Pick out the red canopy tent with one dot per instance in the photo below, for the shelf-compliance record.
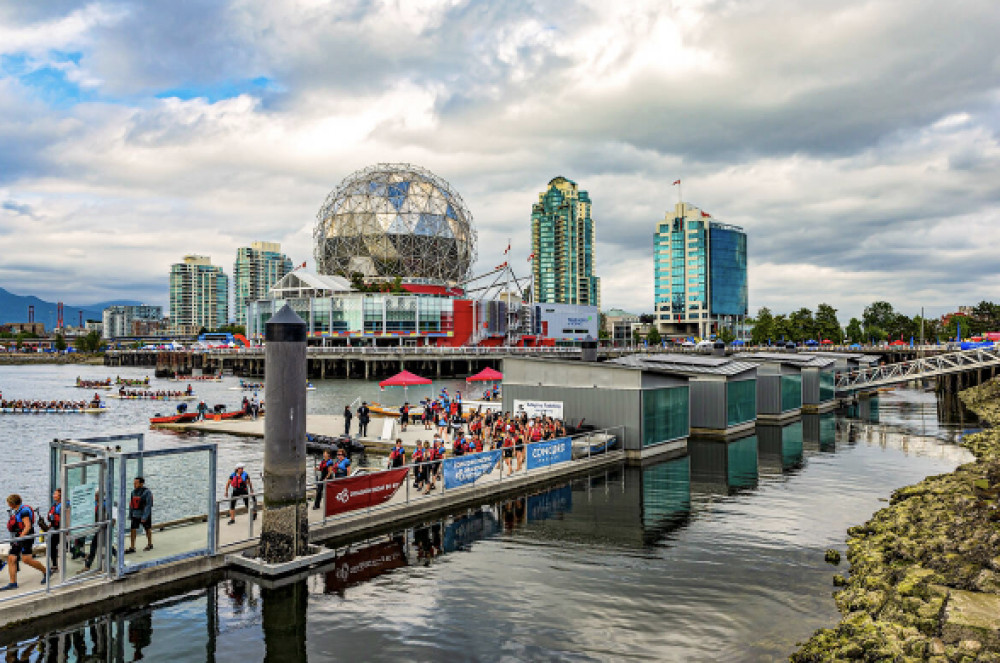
(404, 379)
(898, 343)
(485, 375)
(826, 341)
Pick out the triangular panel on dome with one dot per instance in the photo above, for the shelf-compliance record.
(397, 193)
(398, 226)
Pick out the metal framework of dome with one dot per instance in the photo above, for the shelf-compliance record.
(395, 219)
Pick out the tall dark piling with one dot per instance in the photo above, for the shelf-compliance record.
(285, 524)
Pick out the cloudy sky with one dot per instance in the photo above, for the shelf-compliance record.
(855, 141)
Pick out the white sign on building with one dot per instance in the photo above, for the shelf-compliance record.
(552, 409)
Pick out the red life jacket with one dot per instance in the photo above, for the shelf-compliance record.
(237, 480)
(17, 518)
(418, 456)
(135, 502)
(55, 516)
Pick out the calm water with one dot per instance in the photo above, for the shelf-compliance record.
(714, 556)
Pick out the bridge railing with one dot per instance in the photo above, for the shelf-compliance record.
(915, 369)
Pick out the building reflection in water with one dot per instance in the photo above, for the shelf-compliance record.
(779, 447)
(723, 467)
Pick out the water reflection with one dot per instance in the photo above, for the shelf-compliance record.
(713, 555)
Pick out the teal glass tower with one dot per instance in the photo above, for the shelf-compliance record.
(199, 295)
(700, 274)
(257, 269)
(562, 246)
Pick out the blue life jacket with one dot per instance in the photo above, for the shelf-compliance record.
(341, 468)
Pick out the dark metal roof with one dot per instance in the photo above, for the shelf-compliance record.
(803, 360)
(685, 364)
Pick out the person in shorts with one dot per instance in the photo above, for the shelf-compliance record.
(20, 524)
(140, 512)
(239, 481)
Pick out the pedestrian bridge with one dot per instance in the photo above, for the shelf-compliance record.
(919, 369)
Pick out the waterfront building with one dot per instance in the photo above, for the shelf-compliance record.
(119, 321)
(651, 407)
(418, 314)
(562, 246)
(199, 295)
(257, 269)
(723, 389)
(700, 268)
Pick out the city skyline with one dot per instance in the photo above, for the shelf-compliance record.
(860, 160)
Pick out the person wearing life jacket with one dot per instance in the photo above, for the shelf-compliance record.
(140, 512)
(21, 523)
(342, 465)
(54, 523)
(419, 469)
(404, 416)
(397, 457)
(325, 470)
(239, 481)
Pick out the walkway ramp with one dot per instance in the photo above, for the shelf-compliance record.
(918, 369)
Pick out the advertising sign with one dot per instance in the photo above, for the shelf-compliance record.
(466, 469)
(552, 409)
(81, 504)
(550, 452)
(360, 492)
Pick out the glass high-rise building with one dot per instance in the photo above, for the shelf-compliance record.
(700, 273)
(562, 246)
(199, 295)
(258, 267)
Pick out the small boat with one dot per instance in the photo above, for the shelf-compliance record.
(93, 384)
(182, 418)
(53, 410)
(310, 387)
(153, 396)
(129, 382)
(593, 443)
(215, 377)
(225, 416)
(248, 386)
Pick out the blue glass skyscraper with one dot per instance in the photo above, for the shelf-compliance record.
(700, 268)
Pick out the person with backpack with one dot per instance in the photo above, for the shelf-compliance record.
(20, 524)
(239, 481)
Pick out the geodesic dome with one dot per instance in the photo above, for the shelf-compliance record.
(395, 219)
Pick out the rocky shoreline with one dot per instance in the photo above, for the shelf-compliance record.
(924, 581)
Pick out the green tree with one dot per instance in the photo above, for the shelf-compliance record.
(763, 327)
(636, 337)
(878, 318)
(782, 328)
(988, 314)
(827, 324)
(854, 331)
(726, 335)
(89, 343)
(60, 342)
(653, 337)
(802, 325)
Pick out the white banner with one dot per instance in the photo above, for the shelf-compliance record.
(81, 504)
(552, 409)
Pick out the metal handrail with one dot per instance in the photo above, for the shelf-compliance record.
(97, 527)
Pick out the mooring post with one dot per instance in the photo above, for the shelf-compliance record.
(284, 529)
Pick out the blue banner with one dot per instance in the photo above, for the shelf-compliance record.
(550, 503)
(466, 469)
(543, 454)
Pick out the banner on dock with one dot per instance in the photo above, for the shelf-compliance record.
(552, 409)
(364, 564)
(466, 469)
(543, 454)
(364, 491)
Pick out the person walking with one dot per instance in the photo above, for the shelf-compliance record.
(20, 524)
(140, 512)
(404, 416)
(54, 523)
(348, 415)
(325, 469)
(239, 481)
(364, 416)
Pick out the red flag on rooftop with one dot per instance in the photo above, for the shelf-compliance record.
(676, 182)
(706, 215)
(507, 250)
(530, 256)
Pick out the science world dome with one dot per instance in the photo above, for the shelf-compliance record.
(395, 219)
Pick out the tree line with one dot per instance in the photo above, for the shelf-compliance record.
(879, 322)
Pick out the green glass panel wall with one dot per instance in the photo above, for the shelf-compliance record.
(741, 402)
(791, 392)
(742, 462)
(665, 415)
(825, 386)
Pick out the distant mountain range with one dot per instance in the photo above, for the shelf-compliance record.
(14, 308)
